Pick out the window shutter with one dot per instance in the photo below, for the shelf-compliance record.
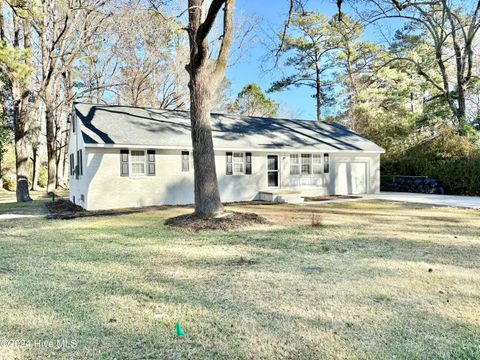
(248, 163)
(326, 163)
(229, 163)
(77, 167)
(72, 164)
(123, 162)
(185, 161)
(151, 162)
(80, 162)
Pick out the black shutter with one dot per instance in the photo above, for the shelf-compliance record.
(229, 164)
(326, 163)
(77, 170)
(123, 162)
(248, 163)
(80, 162)
(151, 162)
(185, 161)
(72, 164)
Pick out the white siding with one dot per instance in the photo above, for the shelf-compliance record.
(104, 188)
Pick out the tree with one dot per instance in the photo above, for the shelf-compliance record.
(16, 64)
(205, 78)
(451, 29)
(252, 101)
(310, 44)
(5, 139)
(357, 60)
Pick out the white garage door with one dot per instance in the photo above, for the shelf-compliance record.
(350, 178)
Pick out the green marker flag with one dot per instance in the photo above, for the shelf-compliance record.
(179, 330)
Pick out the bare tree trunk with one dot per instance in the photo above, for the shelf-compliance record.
(207, 195)
(318, 92)
(21, 151)
(36, 172)
(51, 151)
(20, 119)
(204, 80)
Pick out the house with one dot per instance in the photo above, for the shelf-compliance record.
(124, 156)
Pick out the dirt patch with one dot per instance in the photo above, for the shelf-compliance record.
(330, 197)
(65, 209)
(228, 221)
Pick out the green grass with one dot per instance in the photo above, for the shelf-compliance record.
(358, 286)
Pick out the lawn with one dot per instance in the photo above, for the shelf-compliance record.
(377, 280)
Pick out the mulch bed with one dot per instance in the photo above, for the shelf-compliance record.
(329, 197)
(228, 221)
(65, 209)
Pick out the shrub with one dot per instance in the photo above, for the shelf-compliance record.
(450, 158)
(43, 177)
(316, 220)
(9, 183)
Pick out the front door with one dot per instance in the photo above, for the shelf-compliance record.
(273, 171)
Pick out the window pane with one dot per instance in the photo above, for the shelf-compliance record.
(294, 159)
(138, 156)
(273, 178)
(273, 162)
(237, 157)
(294, 169)
(317, 158)
(317, 169)
(306, 164)
(138, 168)
(238, 168)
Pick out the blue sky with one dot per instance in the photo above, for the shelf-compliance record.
(273, 13)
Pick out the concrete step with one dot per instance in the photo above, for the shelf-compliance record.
(288, 198)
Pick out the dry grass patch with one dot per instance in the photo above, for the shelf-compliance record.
(358, 287)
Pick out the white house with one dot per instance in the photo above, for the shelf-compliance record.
(124, 156)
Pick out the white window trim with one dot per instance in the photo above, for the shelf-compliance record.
(131, 162)
(299, 165)
(243, 162)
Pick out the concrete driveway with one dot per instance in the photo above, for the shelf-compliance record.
(472, 202)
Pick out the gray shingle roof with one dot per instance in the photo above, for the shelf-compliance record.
(127, 126)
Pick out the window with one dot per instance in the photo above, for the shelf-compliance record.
(185, 161)
(306, 164)
(317, 164)
(238, 163)
(294, 164)
(326, 163)
(138, 162)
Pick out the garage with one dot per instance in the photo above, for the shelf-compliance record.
(351, 177)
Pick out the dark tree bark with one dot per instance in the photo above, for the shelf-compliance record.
(205, 78)
(20, 94)
(51, 148)
(35, 171)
